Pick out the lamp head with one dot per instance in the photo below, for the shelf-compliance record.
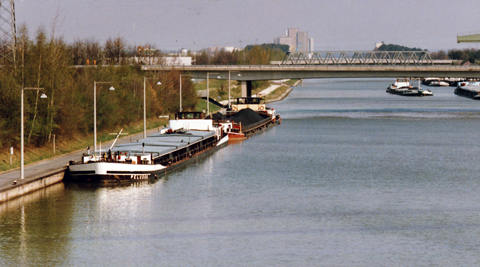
(111, 88)
(159, 83)
(43, 95)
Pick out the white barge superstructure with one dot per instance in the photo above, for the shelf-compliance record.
(188, 136)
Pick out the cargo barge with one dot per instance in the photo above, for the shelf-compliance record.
(404, 88)
(470, 91)
(250, 115)
(188, 136)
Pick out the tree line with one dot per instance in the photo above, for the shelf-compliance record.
(252, 55)
(48, 62)
(463, 55)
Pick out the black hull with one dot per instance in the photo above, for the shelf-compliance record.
(406, 93)
(467, 93)
(140, 176)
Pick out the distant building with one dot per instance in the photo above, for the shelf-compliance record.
(302, 42)
(216, 49)
(170, 61)
(296, 40)
(285, 40)
(377, 46)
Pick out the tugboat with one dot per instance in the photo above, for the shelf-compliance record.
(404, 88)
(188, 136)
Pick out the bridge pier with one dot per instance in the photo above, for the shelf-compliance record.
(246, 88)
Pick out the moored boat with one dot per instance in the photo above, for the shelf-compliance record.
(249, 115)
(470, 91)
(188, 136)
(404, 88)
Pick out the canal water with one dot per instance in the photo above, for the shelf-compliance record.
(352, 177)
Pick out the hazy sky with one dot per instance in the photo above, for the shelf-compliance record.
(195, 24)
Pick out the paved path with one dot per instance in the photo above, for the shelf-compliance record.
(41, 168)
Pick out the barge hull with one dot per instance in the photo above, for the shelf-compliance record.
(141, 176)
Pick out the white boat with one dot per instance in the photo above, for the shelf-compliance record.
(435, 82)
(439, 83)
(188, 136)
(468, 83)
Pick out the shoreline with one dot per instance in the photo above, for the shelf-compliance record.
(284, 95)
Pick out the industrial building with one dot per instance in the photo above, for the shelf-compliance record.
(297, 40)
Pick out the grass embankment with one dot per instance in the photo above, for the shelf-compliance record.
(291, 82)
(202, 105)
(277, 93)
(34, 154)
(218, 89)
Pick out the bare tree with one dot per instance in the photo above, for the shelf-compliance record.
(115, 50)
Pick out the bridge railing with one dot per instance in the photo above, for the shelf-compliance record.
(359, 58)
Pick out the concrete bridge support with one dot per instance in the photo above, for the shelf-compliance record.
(246, 88)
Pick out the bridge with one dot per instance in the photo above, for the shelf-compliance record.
(341, 64)
(318, 65)
(278, 72)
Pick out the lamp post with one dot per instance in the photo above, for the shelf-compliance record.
(145, 105)
(239, 75)
(22, 149)
(187, 75)
(95, 112)
(208, 90)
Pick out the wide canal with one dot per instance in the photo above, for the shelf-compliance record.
(352, 177)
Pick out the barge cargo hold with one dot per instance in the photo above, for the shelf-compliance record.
(250, 115)
(470, 91)
(188, 136)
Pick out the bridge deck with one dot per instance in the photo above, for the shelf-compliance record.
(277, 72)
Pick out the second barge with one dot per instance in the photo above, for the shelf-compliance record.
(470, 91)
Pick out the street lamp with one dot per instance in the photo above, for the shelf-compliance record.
(95, 111)
(145, 106)
(22, 149)
(208, 90)
(181, 88)
(239, 75)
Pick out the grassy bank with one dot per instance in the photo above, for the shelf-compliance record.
(218, 89)
(78, 142)
(277, 93)
(202, 105)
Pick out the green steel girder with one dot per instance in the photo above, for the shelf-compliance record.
(359, 58)
(472, 38)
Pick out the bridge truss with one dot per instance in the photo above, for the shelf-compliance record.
(359, 58)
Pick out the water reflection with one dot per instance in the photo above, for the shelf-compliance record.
(30, 225)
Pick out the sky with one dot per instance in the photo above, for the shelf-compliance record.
(335, 25)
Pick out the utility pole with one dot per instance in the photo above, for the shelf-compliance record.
(8, 35)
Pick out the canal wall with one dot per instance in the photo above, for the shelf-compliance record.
(22, 187)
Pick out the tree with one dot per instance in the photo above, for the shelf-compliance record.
(115, 50)
(393, 47)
